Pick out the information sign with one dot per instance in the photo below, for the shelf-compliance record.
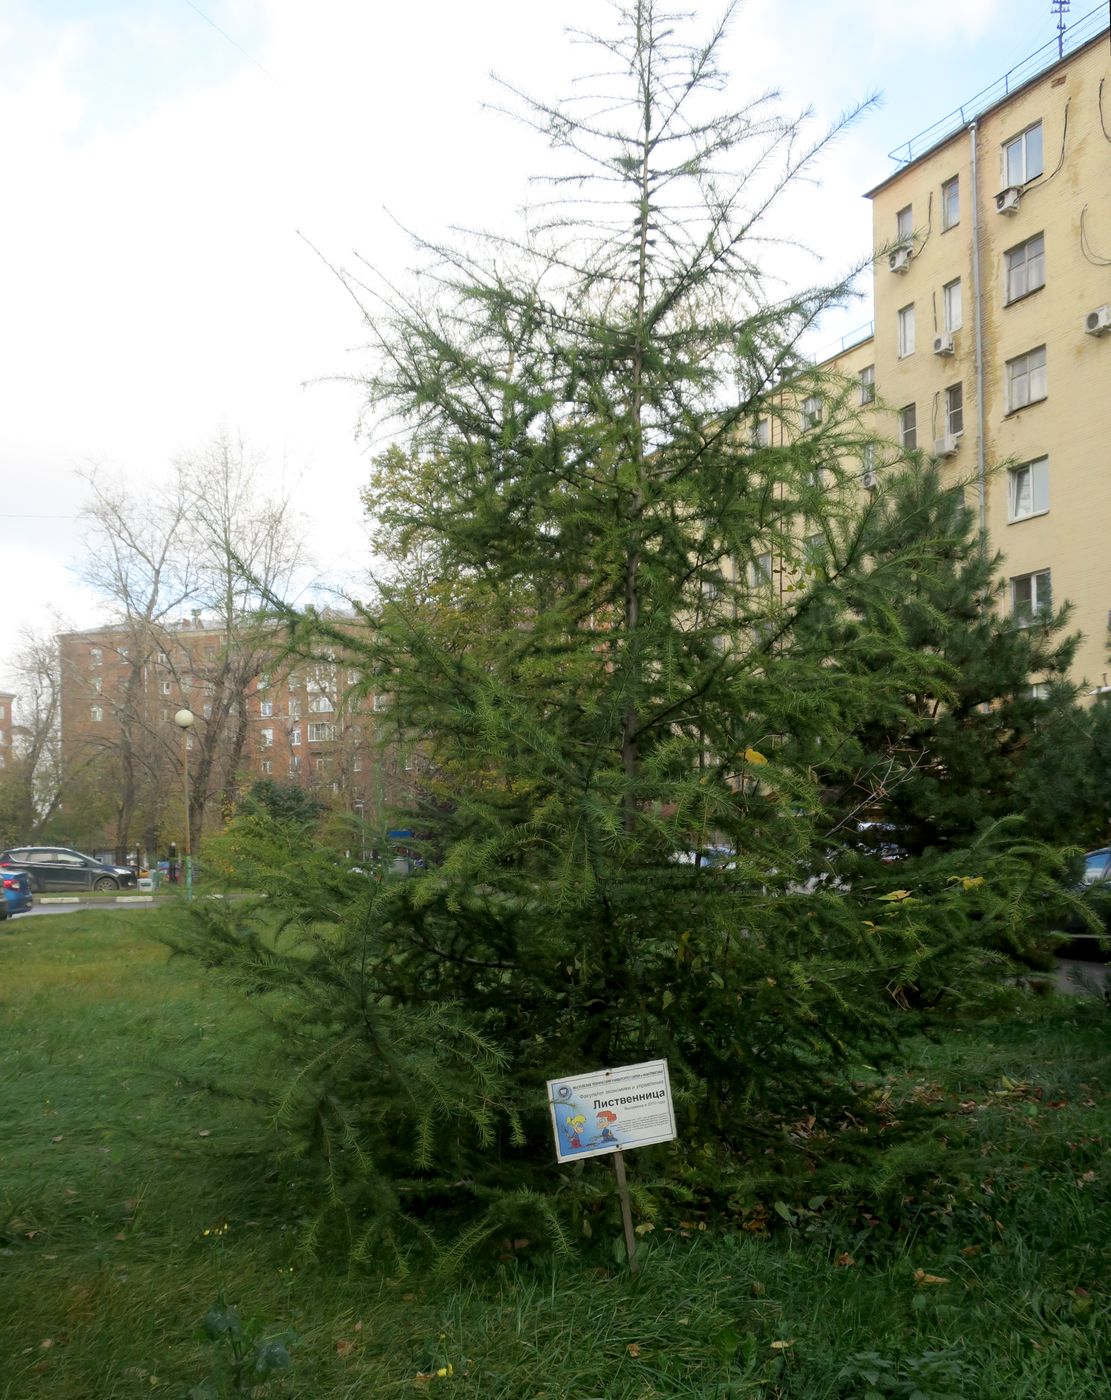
(611, 1110)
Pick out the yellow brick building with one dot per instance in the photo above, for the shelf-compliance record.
(992, 340)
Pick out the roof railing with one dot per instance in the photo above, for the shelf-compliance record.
(1071, 38)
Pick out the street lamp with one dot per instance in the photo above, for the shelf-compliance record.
(184, 721)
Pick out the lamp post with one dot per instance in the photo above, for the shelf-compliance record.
(184, 721)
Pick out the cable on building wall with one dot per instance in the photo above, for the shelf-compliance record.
(1096, 259)
(929, 224)
(1102, 118)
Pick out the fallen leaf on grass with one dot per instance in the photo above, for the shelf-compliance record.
(344, 1348)
(970, 1250)
(633, 1349)
(844, 1261)
(923, 1280)
(782, 1346)
(205, 1132)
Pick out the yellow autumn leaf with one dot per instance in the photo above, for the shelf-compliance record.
(754, 756)
(922, 1279)
(782, 1346)
(966, 882)
(895, 895)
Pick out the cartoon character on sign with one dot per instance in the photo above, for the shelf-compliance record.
(576, 1124)
(606, 1120)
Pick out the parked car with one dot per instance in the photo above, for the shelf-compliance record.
(60, 870)
(1095, 890)
(16, 893)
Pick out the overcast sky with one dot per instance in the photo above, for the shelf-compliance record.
(170, 166)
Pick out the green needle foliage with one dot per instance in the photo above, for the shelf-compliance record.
(609, 648)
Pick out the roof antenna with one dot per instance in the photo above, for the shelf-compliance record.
(1059, 8)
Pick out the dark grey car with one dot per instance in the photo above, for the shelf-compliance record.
(58, 870)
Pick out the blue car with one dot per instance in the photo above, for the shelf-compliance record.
(17, 893)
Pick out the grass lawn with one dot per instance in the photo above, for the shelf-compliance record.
(131, 1196)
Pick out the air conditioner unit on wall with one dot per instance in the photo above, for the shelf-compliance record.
(869, 480)
(1008, 200)
(1098, 322)
(947, 446)
(943, 344)
(898, 260)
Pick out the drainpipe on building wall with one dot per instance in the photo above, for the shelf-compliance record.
(977, 311)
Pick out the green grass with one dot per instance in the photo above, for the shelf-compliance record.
(131, 1194)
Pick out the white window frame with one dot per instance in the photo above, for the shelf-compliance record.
(951, 309)
(954, 409)
(904, 226)
(266, 738)
(266, 766)
(908, 427)
(811, 412)
(1023, 159)
(1028, 490)
(96, 714)
(294, 708)
(906, 330)
(760, 570)
(321, 733)
(96, 656)
(265, 708)
(295, 736)
(867, 378)
(1037, 599)
(1021, 264)
(1027, 379)
(951, 187)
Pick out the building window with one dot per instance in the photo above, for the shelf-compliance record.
(96, 714)
(867, 385)
(352, 678)
(908, 427)
(188, 741)
(954, 409)
(381, 702)
(266, 766)
(121, 652)
(266, 738)
(951, 305)
(868, 459)
(98, 685)
(950, 203)
(206, 709)
(1028, 489)
(163, 659)
(295, 762)
(762, 432)
(1039, 690)
(1031, 597)
(904, 225)
(96, 656)
(264, 680)
(3, 760)
(294, 709)
(906, 331)
(321, 733)
(3, 710)
(266, 708)
(165, 687)
(1022, 156)
(1026, 379)
(357, 764)
(811, 412)
(760, 571)
(1025, 268)
(321, 705)
(295, 735)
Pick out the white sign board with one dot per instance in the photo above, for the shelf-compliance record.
(611, 1110)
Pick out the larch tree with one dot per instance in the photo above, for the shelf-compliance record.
(605, 638)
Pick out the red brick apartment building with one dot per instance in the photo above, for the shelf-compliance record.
(255, 717)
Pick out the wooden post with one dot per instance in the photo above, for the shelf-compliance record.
(626, 1210)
